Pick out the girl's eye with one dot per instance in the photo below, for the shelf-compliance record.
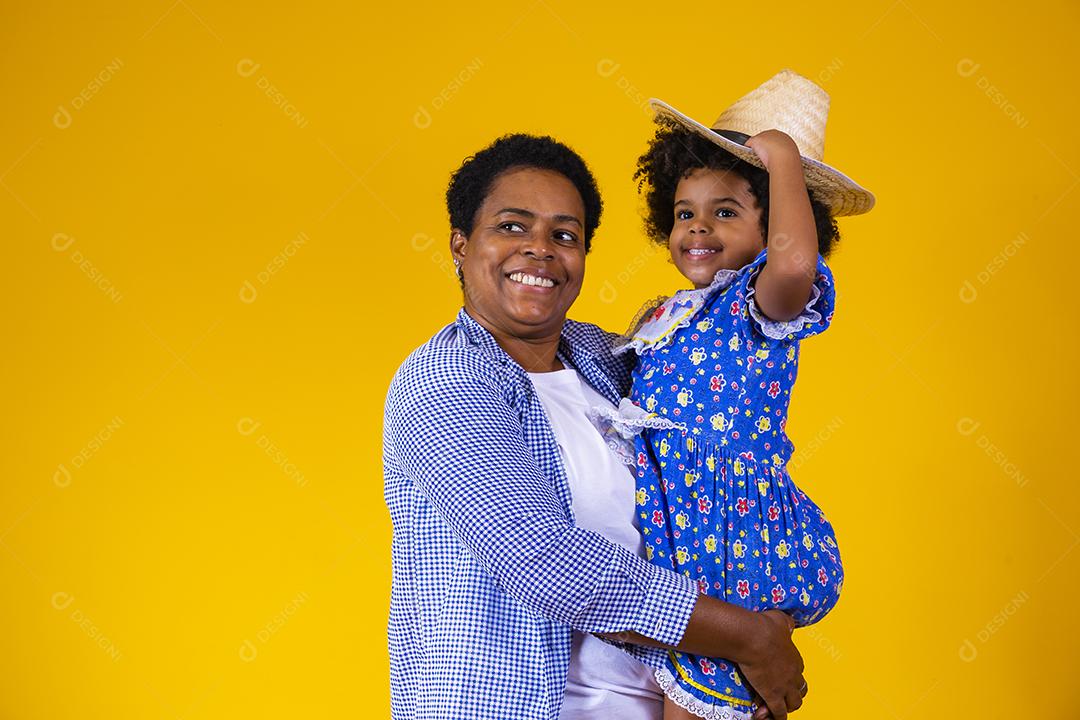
(683, 215)
(725, 212)
(512, 227)
(567, 238)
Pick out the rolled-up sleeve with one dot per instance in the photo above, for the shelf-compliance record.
(462, 443)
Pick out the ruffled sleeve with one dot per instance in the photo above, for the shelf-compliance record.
(619, 425)
(815, 317)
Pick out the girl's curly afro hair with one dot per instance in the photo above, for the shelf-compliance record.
(674, 152)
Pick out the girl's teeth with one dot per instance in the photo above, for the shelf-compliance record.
(531, 280)
(700, 251)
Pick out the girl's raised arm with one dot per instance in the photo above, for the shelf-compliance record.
(783, 287)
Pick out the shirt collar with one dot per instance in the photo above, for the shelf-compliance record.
(575, 349)
(479, 335)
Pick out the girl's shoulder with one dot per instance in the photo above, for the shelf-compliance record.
(660, 319)
(640, 327)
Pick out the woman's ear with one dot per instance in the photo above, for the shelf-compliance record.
(458, 241)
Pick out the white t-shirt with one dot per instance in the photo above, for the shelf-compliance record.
(603, 681)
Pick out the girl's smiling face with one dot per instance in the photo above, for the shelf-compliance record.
(717, 225)
(524, 262)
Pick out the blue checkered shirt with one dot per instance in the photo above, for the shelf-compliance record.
(490, 574)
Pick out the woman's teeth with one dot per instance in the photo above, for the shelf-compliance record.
(532, 280)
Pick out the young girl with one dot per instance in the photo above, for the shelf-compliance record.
(717, 364)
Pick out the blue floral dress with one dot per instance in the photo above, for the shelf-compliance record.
(715, 498)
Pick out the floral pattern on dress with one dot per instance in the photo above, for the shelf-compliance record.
(715, 501)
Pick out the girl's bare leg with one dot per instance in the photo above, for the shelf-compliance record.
(674, 712)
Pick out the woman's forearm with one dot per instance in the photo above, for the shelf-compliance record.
(715, 629)
(720, 629)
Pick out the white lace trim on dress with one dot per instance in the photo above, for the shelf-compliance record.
(657, 330)
(702, 708)
(618, 426)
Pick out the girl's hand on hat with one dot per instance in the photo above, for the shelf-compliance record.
(773, 147)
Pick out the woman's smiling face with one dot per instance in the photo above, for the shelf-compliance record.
(524, 262)
(717, 225)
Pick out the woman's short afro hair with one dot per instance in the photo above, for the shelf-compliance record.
(674, 152)
(470, 183)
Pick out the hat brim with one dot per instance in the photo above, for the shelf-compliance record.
(834, 189)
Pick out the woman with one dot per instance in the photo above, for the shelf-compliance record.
(514, 539)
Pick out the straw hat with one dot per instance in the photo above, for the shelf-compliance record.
(789, 102)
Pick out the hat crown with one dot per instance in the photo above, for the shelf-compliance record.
(787, 102)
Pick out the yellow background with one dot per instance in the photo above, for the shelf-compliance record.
(225, 229)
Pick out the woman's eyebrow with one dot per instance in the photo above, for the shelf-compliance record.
(516, 211)
(530, 214)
